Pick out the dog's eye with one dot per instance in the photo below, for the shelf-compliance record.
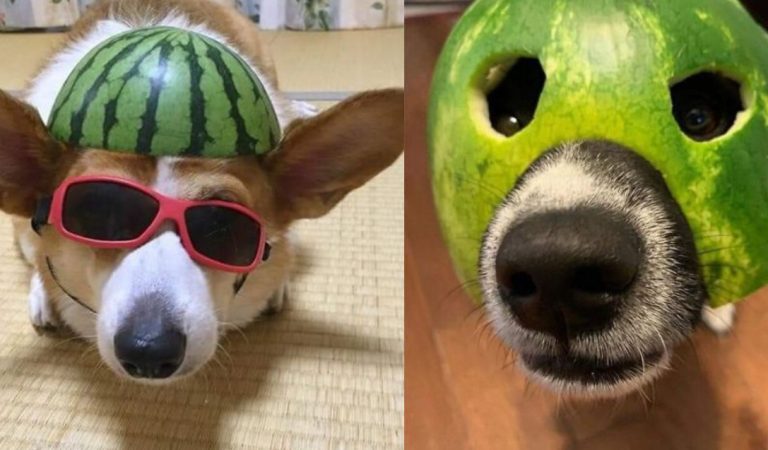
(705, 105)
(513, 93)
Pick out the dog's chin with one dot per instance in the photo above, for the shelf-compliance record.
(588, 378)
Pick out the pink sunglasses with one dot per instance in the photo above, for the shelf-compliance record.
(112, 212)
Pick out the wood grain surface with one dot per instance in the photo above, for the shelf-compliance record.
(462, 389)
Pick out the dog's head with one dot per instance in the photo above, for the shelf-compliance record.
(604, 166)
(154, 306)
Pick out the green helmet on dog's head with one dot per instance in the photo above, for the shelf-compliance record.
(165, 91)
(609, 69)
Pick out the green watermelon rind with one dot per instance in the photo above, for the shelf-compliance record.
(721, 185)
(165, 91)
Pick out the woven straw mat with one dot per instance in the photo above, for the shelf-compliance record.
(327, 372)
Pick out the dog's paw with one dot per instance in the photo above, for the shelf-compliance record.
(41, 312)
(276, 302)
(304, 110)
(720, 320)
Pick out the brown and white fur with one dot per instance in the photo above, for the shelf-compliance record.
(344, 147)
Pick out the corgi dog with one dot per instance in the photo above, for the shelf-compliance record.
(157, 305)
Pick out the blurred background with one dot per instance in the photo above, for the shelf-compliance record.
(324, 50)
(271, 14)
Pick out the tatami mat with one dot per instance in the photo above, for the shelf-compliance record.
(325, 373)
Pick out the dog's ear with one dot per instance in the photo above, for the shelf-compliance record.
(28, 156)
(323, 158)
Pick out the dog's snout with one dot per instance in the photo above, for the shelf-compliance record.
(565, 273)
(150, 347)
(589, 270)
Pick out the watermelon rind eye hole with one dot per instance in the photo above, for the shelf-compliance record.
(706, 105)
(512, 94)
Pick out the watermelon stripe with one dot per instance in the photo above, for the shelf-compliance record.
(200, 133)
(245, 142)
(110, 116)
(76, 75)
(110, 119)
(173, 121)
(259, 92)
(149, 119)
(76, 121)
(111, 107)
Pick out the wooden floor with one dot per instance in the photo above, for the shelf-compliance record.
(463, 391)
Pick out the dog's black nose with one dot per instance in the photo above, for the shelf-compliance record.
(565, 272)
(150, 348)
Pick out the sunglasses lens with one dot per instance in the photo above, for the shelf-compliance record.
(223, 234)
(107, 211)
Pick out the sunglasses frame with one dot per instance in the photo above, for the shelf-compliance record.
(169, 208)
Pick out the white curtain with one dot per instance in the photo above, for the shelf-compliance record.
(38, 13)
(330, 14)
(294, 14)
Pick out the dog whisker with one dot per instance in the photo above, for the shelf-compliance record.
(618, 403)
(98, 366)
(663, 344)
(689, 340)
(498, 194)
(87, 352)
(226, 370)
(719, 249)
(232, 326)
(715, 235)
(527, 388)
(510, 358)
(460, 286)
(228, 379)
(641, 389)
(481, 329)
(570, 406)
(206, 381)
(477, 316)
(490, 337)
(720, 264)
(217, 360)
(478, 310)
(676, 359)
(225, 353)
(719, 288)
(488, 332)
(72, 339)
(645, 399)
(559, 399)
(207, 389)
